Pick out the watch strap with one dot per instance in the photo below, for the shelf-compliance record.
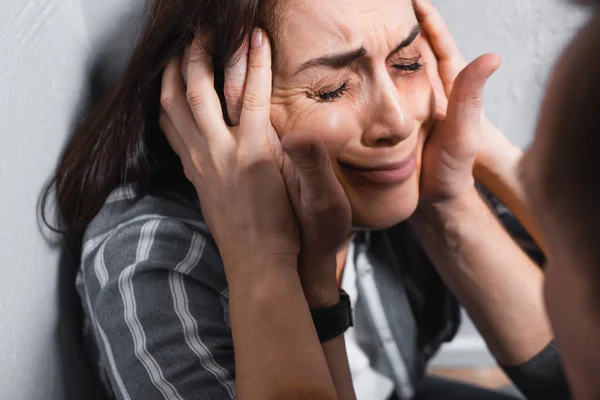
(334, 320)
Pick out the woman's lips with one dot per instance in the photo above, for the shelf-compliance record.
(385, 174)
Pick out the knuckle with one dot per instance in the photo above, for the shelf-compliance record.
(471, 101)
(255, 100)
(187, 174)
(196, 97)
(257, 64)
(167, 98)
(196, 161)
(316, 166)
(233, 93)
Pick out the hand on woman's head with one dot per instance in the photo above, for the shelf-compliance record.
(356, 83)
(463, 135)
(455, 142)
(240, 172)
(233, 169)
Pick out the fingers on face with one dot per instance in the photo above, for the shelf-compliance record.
(175, 106)
(192, 105)
(201, 94)
(467, 95)
(256, 103)
(439, 35)
(317, 181)
(172, 96)
(235, 82)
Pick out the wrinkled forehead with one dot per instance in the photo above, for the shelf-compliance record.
(306, 29)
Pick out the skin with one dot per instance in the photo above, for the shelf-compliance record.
(286, 149)
(237, 166)
(450, 220)
(385, 114)
(570, 286)
(495, 165)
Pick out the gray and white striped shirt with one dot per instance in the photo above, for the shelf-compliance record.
(155, 298)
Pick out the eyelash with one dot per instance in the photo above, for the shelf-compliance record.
(333, 95)
(327, 97)
(413, 67)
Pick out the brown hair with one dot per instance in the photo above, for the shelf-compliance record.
(570, 174)
(120, 141)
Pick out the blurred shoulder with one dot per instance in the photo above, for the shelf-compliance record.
(158, 231)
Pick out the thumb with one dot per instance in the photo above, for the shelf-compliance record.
(466, 100)
(316, 179)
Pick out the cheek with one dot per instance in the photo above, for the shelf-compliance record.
(417, 94)
(335, 125)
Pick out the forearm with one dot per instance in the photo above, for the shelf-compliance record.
(323, 292)
(277, 351)
(498, 284)
(337, 361)
(497, 170)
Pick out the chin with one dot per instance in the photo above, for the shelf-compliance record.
(384, 208)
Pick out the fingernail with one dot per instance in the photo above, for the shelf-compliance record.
(257, 38)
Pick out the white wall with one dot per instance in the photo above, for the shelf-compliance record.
(47, 52)
(48, 66)
(529, 35)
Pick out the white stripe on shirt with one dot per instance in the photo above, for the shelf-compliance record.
(375, 307)
(369, 383)
(91, 244)
(133, 323)
(113, 364)
(189, 324)
(121, 193)
(109, 354)
(100, 266)
(224, 296)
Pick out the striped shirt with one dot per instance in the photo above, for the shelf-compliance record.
(155, 300)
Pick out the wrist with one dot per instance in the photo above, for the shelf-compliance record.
(498, 173)
(448, 211)
(265, 286)
(258, 269)
(319, 283)
(321, 297)
(333, 321)
(498, 158)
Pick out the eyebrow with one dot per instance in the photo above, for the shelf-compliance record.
(338, 61)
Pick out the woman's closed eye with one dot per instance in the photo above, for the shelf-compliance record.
(408, 65)
(332, 95)
(405, 66)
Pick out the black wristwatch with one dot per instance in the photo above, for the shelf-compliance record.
(334, 320)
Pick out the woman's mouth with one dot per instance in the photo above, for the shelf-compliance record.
(384, 174)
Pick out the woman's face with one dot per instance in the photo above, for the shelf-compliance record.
(352, 71)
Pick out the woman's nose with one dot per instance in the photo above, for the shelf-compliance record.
(388, 121)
